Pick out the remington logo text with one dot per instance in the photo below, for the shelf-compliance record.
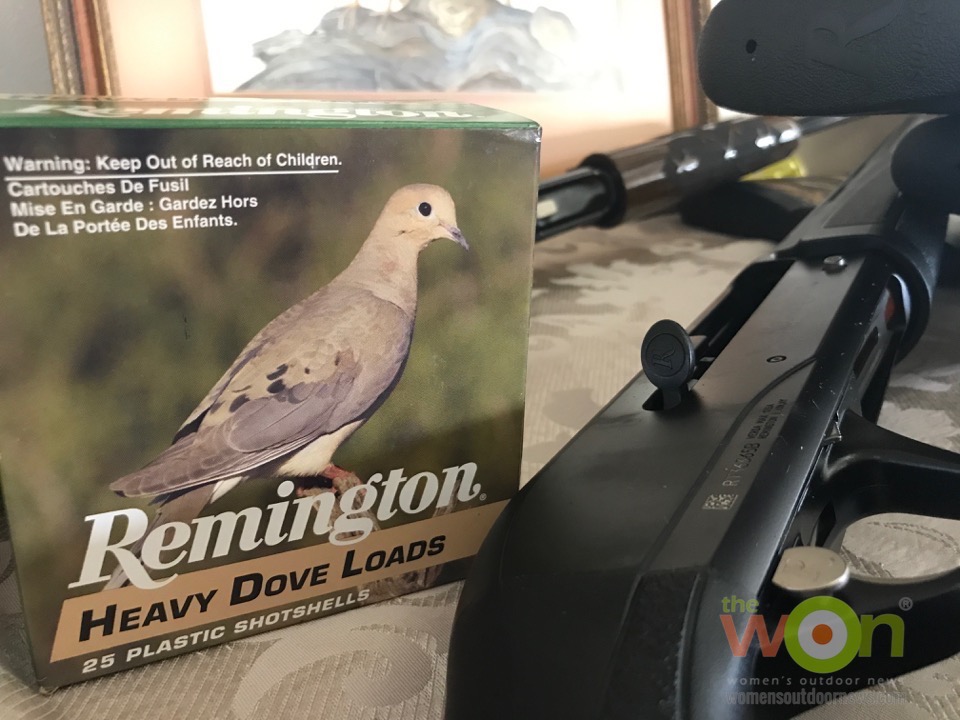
(346, 520)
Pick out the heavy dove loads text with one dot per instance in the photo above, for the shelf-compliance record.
(288, 521)
(317, 578)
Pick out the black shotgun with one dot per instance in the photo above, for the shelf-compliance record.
(679, 557)
(680, 553)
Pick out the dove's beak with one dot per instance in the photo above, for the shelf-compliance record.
(456, 236)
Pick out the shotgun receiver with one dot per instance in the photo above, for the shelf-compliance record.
(682, 548)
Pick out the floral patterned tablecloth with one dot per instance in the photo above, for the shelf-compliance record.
(595, 294)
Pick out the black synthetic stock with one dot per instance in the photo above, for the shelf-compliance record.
(826, 57)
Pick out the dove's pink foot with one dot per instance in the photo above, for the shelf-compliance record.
(336, 480)
(332, 478)
(341, 479)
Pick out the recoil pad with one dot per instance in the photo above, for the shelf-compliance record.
(824, 57)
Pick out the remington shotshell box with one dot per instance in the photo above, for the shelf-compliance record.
(262, 361)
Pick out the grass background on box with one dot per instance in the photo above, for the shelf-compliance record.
(110, 341)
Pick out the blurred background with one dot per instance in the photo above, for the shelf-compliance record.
(597, 76)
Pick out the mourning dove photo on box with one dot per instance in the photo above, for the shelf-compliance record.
(309, 379)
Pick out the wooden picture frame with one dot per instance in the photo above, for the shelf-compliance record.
(131, 48)
(683, 21)
(82, 61)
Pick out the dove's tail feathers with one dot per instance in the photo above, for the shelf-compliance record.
(176, 468)
(197, 460)
(178, 507)
(167, 470)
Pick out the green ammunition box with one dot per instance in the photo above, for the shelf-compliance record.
(261, 361)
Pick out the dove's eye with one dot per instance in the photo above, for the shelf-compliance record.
(425, 209)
